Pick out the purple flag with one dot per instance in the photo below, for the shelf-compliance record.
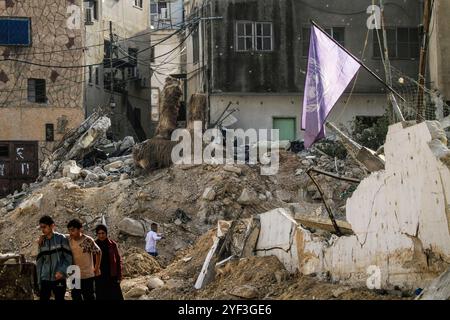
(330, 70)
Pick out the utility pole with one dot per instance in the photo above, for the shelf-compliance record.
(112, 103)
(395, 112)
(423, 61)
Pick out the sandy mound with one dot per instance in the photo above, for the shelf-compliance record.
(137, 262)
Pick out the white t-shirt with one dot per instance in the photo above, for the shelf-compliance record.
(150, 241)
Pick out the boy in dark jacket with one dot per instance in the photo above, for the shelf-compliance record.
(53, 259)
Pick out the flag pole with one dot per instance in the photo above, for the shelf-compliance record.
(360, 62)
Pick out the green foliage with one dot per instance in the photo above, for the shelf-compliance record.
(371, 131)
(332, 148)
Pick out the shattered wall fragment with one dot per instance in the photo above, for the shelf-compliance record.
(400, 217)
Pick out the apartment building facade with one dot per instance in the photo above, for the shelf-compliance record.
(118, 44)
(39, 100)
(168, 50)
(253, 54)
(57, 58)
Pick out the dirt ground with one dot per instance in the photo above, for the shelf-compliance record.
(160, 197)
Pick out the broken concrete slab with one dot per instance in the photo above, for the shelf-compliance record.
(439, 289)
(114, 166)
(245, 292)
(154, 283)
(283, 195)
(248, 196)
(132, 227)
(88, 139)
(71, 170)
(136, 292)
(276, 237)
(234, 169)
(209, 194)
(32, 203)
(399, 217)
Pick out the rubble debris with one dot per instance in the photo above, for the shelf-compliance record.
(136, 292)
(32, 203)
(154, 154)
(132, 227)
(366, 157)
(114, 166)
(76, 143)
(17, 278)
(209, 194)
(246, 292)
(248, 196)
(181, 216)
(137, 262)
(155, 283)
(233, 169)
(438, 289)
(71, 170)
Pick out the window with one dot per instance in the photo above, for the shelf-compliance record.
(49, 132)
(263, 36)
(133, 56)
(196, 44)
(15, 31)
(244, 36)
(4, 151)
(402, 43)
(138, 3)
(132, 73)
(91, 11)
(90, 75)
(257, 36)
(107, 50)
(337, 33)
(37, 91)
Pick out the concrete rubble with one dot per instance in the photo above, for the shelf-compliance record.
(234, 233)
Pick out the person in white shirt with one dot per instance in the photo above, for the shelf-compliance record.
(151, 239)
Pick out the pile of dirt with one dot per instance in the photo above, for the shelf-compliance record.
(137, 262)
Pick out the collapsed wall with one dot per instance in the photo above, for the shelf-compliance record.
(400, 218)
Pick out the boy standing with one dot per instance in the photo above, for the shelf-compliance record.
(151, 239)
(84, 249)
(53, 259)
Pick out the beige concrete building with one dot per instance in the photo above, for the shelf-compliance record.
(130, 26)
(169, 51)
(55, 69)
(39, 100)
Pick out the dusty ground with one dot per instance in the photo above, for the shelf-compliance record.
(266, 275)
(158, 197)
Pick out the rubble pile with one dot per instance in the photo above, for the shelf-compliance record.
(137, 262)
(101, 183)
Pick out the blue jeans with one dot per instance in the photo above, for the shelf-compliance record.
(153, 254)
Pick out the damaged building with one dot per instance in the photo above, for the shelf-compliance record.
(58, 57)
(40, 101)
(254, 55)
